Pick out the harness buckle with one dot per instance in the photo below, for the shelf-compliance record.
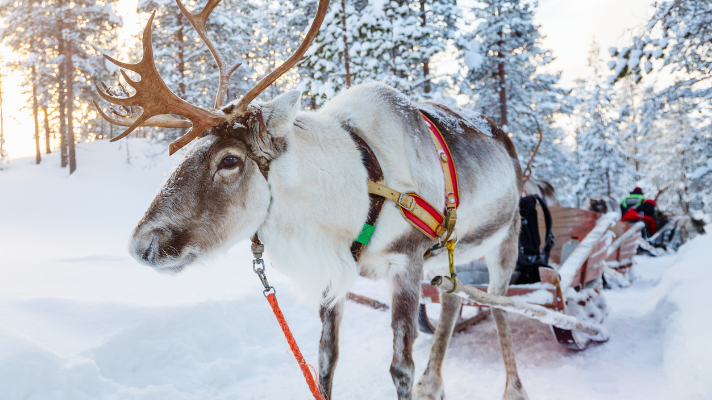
(406, 196)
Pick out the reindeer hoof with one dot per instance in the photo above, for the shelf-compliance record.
(429, 388)
(514, 390)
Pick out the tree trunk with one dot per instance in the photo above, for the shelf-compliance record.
(312, 98)
(62, 123)
(48, 132)
(181, 58)
(346, 44)
(502, 94)
(500, 73)
(70, 107)
(2, 121)
(426, 62)
(38, 153)
(61, 98)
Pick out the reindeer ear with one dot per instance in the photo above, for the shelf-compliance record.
(279, 114)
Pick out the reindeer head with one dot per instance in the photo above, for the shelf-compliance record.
(219, 192)
(598, 206)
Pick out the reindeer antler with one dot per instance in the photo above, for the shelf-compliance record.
(154, 96)
(199, 24)
(157, 101)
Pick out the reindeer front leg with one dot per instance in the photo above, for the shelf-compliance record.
(329, 345)
(406, 291)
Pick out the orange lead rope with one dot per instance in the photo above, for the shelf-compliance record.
(313, 386)
(258, 265)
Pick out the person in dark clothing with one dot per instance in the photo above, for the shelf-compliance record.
(633, 200)
(644, 211)
(647, 208)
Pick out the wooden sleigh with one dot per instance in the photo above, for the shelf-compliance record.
(569, 295)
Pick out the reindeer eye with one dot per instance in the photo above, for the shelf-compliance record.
(229, 162)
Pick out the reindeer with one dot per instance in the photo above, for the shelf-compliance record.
(297, 179)
(543, 189)
(602, 204)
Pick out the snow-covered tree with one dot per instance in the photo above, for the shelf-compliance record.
(680, 33)
(329, 66)
(438, 19)
(503, 57)
(603, 167)
(386, 41)
(59, 44)
(678, 160)
(674, 121)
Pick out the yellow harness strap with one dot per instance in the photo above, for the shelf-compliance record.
(406, 202)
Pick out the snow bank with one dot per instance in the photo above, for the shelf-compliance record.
(79, 319)
(688, 348)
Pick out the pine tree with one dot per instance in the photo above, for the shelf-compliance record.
(502, 55)
(383, 41)
(678, 159)
(60, 44)
(26, 35)
(330, 56)
(600, 153)
(680, 33)
(438, 19)
(673, 128)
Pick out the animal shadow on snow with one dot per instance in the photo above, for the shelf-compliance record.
(531, 340)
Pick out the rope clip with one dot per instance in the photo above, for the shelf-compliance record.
(260, 271)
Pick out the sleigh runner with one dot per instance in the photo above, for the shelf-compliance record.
(586, 244)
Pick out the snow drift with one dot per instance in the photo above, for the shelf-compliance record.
(79, 319)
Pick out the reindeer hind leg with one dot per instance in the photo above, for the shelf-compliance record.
(501, 261)
(430, 386)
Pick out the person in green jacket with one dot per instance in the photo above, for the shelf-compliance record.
(633, 200)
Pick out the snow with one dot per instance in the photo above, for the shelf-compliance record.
(536, 297)
(473, 59)
(688, 353)
(79, 319)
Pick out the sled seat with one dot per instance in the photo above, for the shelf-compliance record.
(622, 258)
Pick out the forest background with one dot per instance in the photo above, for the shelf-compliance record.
(635, 112)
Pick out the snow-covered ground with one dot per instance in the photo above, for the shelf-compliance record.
(79, 319)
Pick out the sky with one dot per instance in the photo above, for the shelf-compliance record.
(569, 25)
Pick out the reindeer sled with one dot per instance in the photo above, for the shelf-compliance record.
(567, 297)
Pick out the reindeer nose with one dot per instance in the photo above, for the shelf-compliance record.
(146, 246)
(150, 254)
(155, 246)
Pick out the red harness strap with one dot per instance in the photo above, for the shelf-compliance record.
(452, 189)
